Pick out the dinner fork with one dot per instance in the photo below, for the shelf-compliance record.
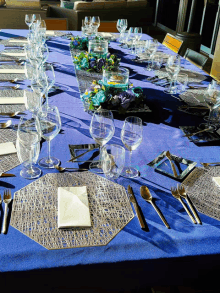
(183, 193)
(176, 194)
(6, 200)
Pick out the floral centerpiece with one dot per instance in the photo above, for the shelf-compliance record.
(88, 62)
(113, 98)
(80, 43)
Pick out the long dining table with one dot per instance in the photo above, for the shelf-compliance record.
(186, 254)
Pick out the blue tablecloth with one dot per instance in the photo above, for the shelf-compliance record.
(134, 258)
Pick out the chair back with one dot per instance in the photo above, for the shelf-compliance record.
(56, 24)
(172, 43)
(195, 58)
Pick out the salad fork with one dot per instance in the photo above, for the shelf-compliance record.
(182, 193)
(176, 194)
(6, 200)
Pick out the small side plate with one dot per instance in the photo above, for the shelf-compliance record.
(162, 165)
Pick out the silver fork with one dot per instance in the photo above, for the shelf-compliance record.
(6, 200)
(176, 194)
(182, 193)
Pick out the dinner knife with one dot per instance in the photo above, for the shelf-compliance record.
(136, 206)
(7, 175)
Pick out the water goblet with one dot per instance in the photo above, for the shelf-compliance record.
(137, 33)
(113, 160)
(49, 125)
(212, 99)
(32, 100)
(95, 22)
(28, 148)
(87, 21)
(101, 129)
(29, 20)
(182, 81)
(121, 27)
(173, 68)
(131, 136)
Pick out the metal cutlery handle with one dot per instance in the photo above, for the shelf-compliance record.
(189, 135)
(161, 215)
(140, 219)
(79, 156)
(173, 168)
(4, 228)
(188, 212)
(193, 211)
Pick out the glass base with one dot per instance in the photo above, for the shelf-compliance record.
(31, 173)
(130, 172)
(171, 91)
(96, 168)
(45, 163)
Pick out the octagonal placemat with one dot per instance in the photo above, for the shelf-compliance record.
(35, 211)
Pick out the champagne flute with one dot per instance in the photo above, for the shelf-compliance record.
(131, 136)
(101, 129)
(28, 148)
(49, 125)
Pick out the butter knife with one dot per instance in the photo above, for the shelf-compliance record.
(7, 175)
(136, 206)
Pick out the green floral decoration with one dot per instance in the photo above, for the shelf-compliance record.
(89, 62)
(80, 43)
(97, 96)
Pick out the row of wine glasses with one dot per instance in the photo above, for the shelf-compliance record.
(102, 130)
(90, 25)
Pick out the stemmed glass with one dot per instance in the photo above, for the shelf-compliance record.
(211, 98)
(29, 20)
(49, 124)
(32, 101)
(131, 37)
(49, 74)
(95, 22)
(28, 148)
(131, 136)
(121, 27)
(87, 21)
(102, 129)
(173, 68)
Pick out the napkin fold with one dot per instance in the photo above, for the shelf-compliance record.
(7, 148)
(216, 180)
(105, 35)
(73, 207)
(11, 100)
(17, 54)
(18, 41)
(50, 33)
(12, 70)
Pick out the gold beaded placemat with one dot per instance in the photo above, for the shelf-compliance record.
(35, 211)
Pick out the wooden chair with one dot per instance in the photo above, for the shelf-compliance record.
(172, 43)
(196, 58)
(57, 24)
(108, 26)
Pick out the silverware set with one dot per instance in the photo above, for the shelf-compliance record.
(180, 193)
(6, 201)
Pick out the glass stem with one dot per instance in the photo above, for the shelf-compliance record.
(209, 118)
(129, 166)
(100, 156)
(48, 152)
(46, 97)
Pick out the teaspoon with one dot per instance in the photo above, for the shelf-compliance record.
(62, 169)
(5, 124)
(145, 193)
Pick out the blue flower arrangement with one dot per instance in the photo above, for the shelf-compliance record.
(113, 98)
(88, 62)
(80, 43)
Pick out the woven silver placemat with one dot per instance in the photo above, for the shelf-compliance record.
(8, 162)
(8, 43)
(193, 76)
(35, 209)
(15, 107)
(203, 191)
(11, 76)
(194, 97)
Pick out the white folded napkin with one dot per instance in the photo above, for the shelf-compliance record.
(18, 41)
(73, 207)
(11, 70)
(11, 100)
(50, 33)
(216, 180)
(7, 148)
(18, 54)
(106, 35)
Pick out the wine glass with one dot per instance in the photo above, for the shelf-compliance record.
(29, 20)
(131, 37)
(28, 148)
(95, 22)
(211, 98)
(121, 27)
(101, 129)
(173, 68)
(32, 100)
(49, 75)
(87, 21)
(49, 125)
(131, 136)
(137, 33)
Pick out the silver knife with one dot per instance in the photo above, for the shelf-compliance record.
(136, 206)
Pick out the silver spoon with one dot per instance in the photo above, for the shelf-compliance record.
(5, 124)
(10, 80)
(145, 193)
(12, 114)
(62, 169)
